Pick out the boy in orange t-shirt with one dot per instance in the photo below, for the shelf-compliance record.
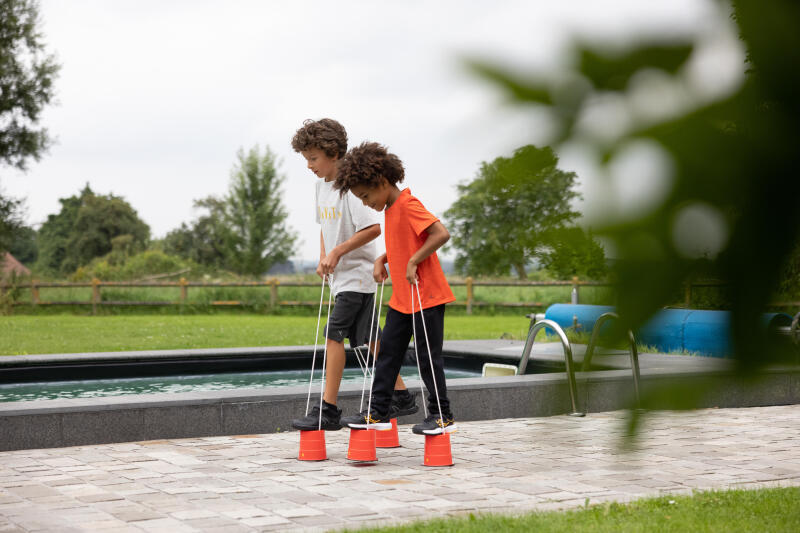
(412, 236)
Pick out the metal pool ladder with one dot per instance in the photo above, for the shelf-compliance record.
(587, 358)
(526, 353)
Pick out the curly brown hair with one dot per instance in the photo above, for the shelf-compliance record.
(326, 134)
(368, 164)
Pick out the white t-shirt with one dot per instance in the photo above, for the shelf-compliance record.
(340, 218)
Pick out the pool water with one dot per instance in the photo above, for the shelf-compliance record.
(97, 388)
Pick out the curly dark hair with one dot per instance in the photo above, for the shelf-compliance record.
(326, 134)
(368, 164)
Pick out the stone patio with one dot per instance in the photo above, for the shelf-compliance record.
(255, 483)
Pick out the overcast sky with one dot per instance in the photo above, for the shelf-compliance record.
(155, 98)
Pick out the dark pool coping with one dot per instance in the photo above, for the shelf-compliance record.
(59, 423)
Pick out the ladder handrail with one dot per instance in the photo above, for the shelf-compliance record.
(634, 353)
(526, 353)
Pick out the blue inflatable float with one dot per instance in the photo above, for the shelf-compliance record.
(691, 330)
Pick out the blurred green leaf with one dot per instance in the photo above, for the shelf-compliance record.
(612, 72)
(519, 88)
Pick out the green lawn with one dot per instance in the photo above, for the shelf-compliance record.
(25, 334)
(773, 510)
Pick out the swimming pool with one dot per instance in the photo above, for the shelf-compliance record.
(270, 379)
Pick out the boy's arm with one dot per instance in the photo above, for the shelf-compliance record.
(437, 236)
(359, 239)
(379, 272)
(320, 273)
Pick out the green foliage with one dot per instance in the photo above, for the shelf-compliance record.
(86, 228)
(56, 231)
(100, 220)
(502, 217)
(734, 163)
(10, 221)
(255, 216)
(120, 266)
(201, 241)
(573, 252)
(27, 73)
(23, 246)
(612, 72)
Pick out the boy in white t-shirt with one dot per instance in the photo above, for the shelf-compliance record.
(346, 254)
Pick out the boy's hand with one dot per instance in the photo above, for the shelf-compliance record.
(411, 272)
(328, 264)
(379, 272)
(320, 273)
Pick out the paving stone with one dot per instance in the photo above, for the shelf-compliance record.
(255, 483)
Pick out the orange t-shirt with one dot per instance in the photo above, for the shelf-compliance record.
(406, 222)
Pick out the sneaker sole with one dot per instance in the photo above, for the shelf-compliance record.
(316, 427)
(380, 426)
(438, 431)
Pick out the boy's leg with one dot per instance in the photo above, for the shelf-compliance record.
(394, 343)
(339, 322)
(334, 368)
(434, 325)
(399, 384)
(403, 401)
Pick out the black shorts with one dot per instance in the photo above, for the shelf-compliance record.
(350, 318)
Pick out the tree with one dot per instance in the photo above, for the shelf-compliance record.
(245, 230)
(86, 227)
(501, 218)
(571, 251)
(254, 216)
(27, 73)
(100, 220)
(204, 240)
(10, 221)
(55, 233)
(24, 247)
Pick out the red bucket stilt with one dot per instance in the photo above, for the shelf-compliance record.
(312, 446)
(437, 450)
(388, 438)
(362, 445)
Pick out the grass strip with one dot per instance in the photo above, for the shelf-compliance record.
(773, 509)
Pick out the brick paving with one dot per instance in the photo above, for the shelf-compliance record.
(254, 482)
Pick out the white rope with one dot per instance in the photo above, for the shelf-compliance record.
(427, 345)
(325, 351)
(365, 369)
(374, 356)
(416, 355)
(360, 359)
(316, 337)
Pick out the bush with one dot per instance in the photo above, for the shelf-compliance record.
(117, 267)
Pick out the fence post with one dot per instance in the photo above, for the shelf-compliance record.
(575, 298)
(34, 292)
(469, 295)
(95, 294)
(184, 290)
(273, 293)
(688, 295)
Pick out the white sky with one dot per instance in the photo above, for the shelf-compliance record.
(155, 97)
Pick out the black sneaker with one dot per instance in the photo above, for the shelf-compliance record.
(311, 422)
(402, 406)
(433, 425)
(364, 421)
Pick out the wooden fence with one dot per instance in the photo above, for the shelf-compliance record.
(274, 284)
